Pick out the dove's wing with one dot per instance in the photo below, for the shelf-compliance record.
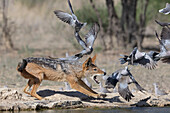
(165, 38)
(65, 17)
(147, 62)
(92, 35)
(123, 89)
(165, 10)
(111, 82)
(136, 83)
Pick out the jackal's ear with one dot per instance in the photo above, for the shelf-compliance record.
(87, 63)
(94, 59)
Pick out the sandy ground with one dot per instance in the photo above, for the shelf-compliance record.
(15, 99)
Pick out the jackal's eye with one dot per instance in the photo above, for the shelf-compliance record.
(95, 69)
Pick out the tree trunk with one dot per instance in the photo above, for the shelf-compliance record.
(7, 42)
(111, 14)
(128, 22)
(127, 31)
(142, 24)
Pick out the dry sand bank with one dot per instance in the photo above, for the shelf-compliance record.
(15, 99)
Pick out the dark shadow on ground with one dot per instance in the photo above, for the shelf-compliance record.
(83, 97)
(142, 103)
(47, 92)
(116, 99)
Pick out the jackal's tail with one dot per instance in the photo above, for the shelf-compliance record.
(21, 65)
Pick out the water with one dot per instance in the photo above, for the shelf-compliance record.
(115, 110)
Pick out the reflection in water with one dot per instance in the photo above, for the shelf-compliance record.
(115, 110)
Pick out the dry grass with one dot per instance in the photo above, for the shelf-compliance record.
(40, 33)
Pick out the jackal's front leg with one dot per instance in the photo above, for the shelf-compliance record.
(80, 86)
(25, 90)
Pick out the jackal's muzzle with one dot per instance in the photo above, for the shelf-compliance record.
(94, 77)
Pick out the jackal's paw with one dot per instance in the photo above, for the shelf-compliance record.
(102, 95)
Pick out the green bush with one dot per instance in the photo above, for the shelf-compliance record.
(152, 10)
(87, 14)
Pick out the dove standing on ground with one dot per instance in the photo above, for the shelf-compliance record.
(123, 77)
(148, 60)
(159, 91)
(67, 55)
(70, 19)
(165, 10)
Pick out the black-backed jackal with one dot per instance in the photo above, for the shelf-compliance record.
(38, 69)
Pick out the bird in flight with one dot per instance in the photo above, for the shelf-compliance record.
(103, 89)
(164, 42)
(159, 91)
(165, 10)
(89, 40)
(123, 77)
(163, 24)
(148, 60)
(87, 44)
(71, 19)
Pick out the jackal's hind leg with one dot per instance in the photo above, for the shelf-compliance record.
(33, 91)
(36, 83)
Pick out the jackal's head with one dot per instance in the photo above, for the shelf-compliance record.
(89, 68)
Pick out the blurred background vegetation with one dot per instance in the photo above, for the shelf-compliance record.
(34, 20)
